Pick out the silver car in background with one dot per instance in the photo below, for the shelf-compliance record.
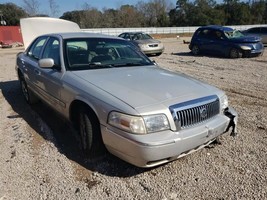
(145, 42)
(119, 100)
(258, 31)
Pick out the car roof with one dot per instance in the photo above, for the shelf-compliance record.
(137, 32)
(257, 27)
(217, 27)
(69, 35)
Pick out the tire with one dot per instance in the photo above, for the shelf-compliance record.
(235, 53)
(29, 96)
(90, 135)
(195, 50)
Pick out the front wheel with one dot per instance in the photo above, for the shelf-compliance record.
(29, 96)
(90, 134)
(235, 53)
(158, 54)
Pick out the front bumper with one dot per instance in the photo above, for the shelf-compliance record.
(258, 50)
(158, 148)
(152, 50)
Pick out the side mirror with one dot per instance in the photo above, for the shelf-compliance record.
(46, 63)
(154, 62)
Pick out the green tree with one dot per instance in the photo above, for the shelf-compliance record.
(236, 12)
(182, 14)
(90, 17)
(258, 10)
(128, 16)
(154, 13)
(109, 18)
(205, 13)
(74, 16)
(12, 14)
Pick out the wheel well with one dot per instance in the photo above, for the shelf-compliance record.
(74, 112)
(20, 75)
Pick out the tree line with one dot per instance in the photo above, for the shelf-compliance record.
(154, 13)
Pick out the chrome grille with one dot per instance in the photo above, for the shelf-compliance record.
(153, 45)
(196, 111)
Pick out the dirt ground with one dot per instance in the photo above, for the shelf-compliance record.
(40, 158)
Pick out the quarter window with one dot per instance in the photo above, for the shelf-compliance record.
(35, 49)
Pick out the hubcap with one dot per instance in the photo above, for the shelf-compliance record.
(195, 50)
(234, 53)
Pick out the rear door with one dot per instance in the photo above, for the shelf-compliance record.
(211, 41)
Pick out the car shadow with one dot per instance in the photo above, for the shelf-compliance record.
(183, 54)
(63, 135)
(209, 55)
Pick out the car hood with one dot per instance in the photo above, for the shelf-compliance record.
(246, 39)
(148, 41)
(145, 86)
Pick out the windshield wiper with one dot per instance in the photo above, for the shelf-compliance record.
(96, 65)
(127, 64)
(85, 66)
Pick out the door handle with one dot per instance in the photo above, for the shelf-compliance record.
(37, 72)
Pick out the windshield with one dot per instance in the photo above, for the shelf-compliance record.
(233, 34)
(97, 53)
(140, 36)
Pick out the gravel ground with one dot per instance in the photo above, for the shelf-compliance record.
(40, 159)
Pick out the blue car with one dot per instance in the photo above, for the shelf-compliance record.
(224, 41)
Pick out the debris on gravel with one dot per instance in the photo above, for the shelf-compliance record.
(40, 158)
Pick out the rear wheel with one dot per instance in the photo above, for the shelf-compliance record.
(235, 53)
(29, 96)
(90, 135)
(195, 50)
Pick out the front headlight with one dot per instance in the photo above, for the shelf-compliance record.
(142, 46)
(245, 48)
(137, 124)
(156, 123)
(224, 102)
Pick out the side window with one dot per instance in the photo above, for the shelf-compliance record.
(217, 35)
(122, 35)
(78, 52)
(264, 30)
(127, 36)
(203, 33)
(52, 50)
(254, 30)
(35, 49)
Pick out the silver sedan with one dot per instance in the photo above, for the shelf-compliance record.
(119, 100)
(145, 42)
(258, 31)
